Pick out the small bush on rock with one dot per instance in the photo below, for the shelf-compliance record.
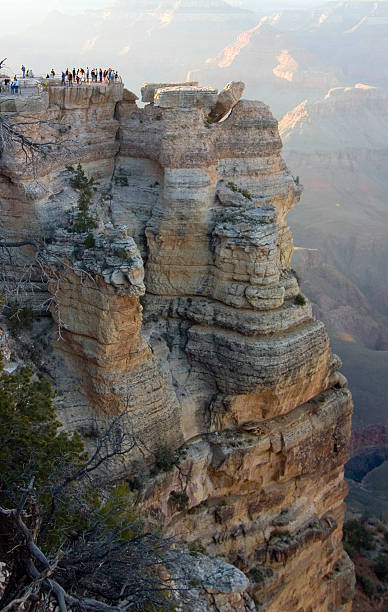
(180, 499)
(165, 459)
(244, 192)
(300, 300)
(19, 317)
(89, 241)
(196, 548)
(357, 537)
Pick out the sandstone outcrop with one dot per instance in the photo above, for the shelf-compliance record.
(226, 365)
(79, 126)
(96, 306)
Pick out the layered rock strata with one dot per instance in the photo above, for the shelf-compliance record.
(96, 307)
(227, 369)
(264, 412)
(73, 125)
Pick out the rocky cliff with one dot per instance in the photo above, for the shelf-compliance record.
(222, 362)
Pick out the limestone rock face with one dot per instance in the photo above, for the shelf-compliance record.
(264, 413)
(79, 125)
(222, 361)
(149, 90)
(96, 306)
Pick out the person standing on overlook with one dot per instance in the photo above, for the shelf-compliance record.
(63, 78)
(23, 71)
(15, 85)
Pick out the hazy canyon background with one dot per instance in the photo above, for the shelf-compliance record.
(322, 68)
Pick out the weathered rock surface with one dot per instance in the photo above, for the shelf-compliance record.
(79, 125)
(245, 359)
(96, 307)
(227, 99)
(228, 367)
(149, 90)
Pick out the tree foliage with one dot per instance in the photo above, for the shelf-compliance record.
(357, 537)
(67, 537)
(83, 221)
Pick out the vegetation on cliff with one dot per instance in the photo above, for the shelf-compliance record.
(65, 539)
(366, 542)
(83, 221)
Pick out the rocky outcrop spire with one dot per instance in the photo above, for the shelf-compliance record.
(264, 413)
(222, 363)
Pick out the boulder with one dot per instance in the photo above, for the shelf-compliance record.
(226, 100)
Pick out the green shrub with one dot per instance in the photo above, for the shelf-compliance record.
(259, 573)
(165, 459)
(83, 221)
(180, 499)
(357, 537)
(244, 192)
(87, 532)
(19, 317)
(89, 241)
(121, 180)
(300, 300)
(232, 186)
(196, 548)
(32, 445)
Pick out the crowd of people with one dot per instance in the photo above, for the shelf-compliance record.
(9, 84)
(27, 73)
(90, 75)
(68, 77)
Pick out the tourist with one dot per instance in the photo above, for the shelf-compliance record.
(87, 74)
(73, 74)
(23, 70)
(63, 77)
(100, 73)
(15, 85)
(70, 79)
